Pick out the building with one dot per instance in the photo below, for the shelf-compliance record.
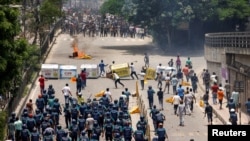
(228, 55)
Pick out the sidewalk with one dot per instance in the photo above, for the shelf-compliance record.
(223, 114)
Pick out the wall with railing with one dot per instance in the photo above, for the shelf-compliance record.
(228, 39)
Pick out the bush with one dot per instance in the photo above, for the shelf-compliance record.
(3, 125)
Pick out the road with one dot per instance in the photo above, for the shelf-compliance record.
(122, 50)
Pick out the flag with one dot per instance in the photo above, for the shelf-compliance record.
(170, 100)
(134, 110)
(100, 94)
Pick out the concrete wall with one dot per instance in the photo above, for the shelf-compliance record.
(244, 59)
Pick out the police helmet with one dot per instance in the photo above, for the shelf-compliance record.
(56, 100)
(142, 117)
(115, 101)
(73, 121)
(83, 133)
(24, 126)
(50, 86)
(13, 114)
(37, 111)
(59, 127)
(25, 114)
(95, 123)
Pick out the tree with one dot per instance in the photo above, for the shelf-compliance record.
(15, 52)
(113, 7)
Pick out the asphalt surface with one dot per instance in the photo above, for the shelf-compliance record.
(123, 50)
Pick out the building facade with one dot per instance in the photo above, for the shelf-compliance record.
(228, 55)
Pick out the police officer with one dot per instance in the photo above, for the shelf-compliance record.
(95, 114)
(114, 113)
(74, 130)
(11, 127)
(159, 118)
(117, 137)
(83, 136)
(151, 93)
(117, 129)
(51, 100)
(31, 123)
(138, 134)
(143, 123)
(66, 137)
(38, 118)
(161, 132)
(45, 123)
(108, 130)
(55, 116)
(35, 135)
(59, 133)
(82, 108)
(67, 115)
(57, 106)
(97, 130)
(47, 137)
(153, 113)
(233, 117)
(74, 112)
(127, 132)
(45, 97)
(40, 103)
(81, 123)
(25, 133)
(51, 90)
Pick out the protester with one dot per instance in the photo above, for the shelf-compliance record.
(117, 79)
(41, 80)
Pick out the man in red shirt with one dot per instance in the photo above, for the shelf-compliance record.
(214, 89)
(41, 80)
(185, 71)
(84, 78)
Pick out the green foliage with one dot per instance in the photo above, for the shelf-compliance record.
(3, 121)
(112, 6)
(14, 52)
(50, 10)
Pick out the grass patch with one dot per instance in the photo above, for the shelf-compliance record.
(3, 125)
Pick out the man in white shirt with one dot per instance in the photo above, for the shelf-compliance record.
(133, 72)
(176, 101)
(66, 92)
(158, 70)
(142, 78)
(117, 79)
(108, 94)
(89, 124)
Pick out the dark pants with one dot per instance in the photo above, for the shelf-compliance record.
(192, 106)
(67, 121)
(174, 90)
(142, 84)
(161, 138)
(74, 138)
(175, 108)
(150, 102)
(89, 133)
(108, 137)
(118, 81)
(210, 117)
(18, 135)
(127, 138)
(166, 87)
(132, 74)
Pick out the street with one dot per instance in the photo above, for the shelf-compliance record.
(126, 50)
